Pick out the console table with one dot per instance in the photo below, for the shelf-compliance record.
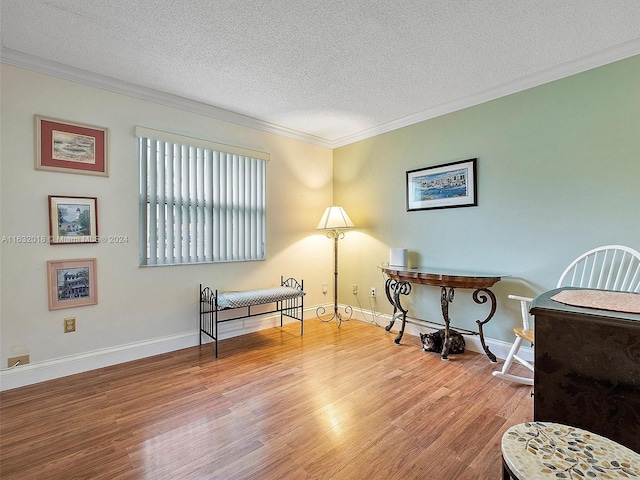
(399, 283)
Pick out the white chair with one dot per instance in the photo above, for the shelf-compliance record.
(612, 267)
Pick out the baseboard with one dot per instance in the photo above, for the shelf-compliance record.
(498, 347)
(37, 372)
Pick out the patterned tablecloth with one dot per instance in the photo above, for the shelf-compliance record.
(601, 299)
(544, 450)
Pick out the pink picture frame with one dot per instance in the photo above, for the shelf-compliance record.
(72, 283)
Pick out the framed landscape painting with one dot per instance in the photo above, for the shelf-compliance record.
(442, 186)
(72, 220)
(72, 283)
(71, 147)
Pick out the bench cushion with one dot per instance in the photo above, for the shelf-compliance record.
(256, 297)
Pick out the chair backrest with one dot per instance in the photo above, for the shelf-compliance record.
(612, 267)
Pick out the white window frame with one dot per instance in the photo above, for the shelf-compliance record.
(218, 195)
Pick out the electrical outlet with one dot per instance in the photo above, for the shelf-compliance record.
(325, 288)
(355, 289)
(69, 324)
(19, 359)
(373, 292)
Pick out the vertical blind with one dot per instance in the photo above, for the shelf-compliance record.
(200, 202)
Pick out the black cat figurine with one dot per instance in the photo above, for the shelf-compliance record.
(433, 342)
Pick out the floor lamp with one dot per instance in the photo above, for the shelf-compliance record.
(334, 220)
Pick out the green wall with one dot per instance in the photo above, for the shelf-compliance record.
(558, 174)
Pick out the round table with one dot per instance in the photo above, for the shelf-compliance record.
(541, 450)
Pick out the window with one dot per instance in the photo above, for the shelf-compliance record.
(200, 202)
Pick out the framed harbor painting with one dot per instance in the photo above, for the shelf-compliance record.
(73, 220)
(72, 283)
(71, 147)
(442, 186)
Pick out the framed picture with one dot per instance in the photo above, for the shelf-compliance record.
(73, 220)
(442, 186)
(72, 283)
(63, 146)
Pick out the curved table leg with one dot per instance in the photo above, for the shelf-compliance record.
(393, 290)
(480, 297)
(446, 297)
(388, 289)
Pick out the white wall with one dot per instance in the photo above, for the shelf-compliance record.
(140, 310)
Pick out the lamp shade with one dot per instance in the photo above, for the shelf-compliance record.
(334, 218)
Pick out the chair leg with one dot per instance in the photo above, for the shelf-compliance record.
(515, 348)
(503, 374)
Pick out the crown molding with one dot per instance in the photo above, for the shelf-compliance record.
(47, 67)
(589, 62)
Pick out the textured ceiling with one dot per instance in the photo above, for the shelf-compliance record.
(331, 70)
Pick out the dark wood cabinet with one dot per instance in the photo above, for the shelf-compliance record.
(587, 369)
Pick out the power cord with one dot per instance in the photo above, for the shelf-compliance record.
(12, 366)
(374, 314)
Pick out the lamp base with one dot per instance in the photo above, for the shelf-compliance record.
(321, 311)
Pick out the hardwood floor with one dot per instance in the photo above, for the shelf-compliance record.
(335, 404)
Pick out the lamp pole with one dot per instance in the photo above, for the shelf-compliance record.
(333, 219)
(336, 236)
